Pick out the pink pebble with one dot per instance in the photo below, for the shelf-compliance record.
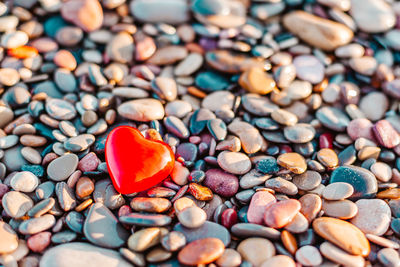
(39, 242)
(360, 128)
(89, 162)
(258, 204)
(279, 214)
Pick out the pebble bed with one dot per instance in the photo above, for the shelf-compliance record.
(283, 116)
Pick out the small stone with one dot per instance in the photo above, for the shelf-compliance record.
(221, 183)
(173, 241)
(309, 256)
(279, 214)
(294, 162)
(202, 251)
(279, 260)
(60, 109)
(37, 225)
(309, 68)
(234, 162)
(192, 217)
(373, 216)
(144, 239)
(16, 204)
(168, 55)
(39, 242)
(349, 238)
(165, 88)
(257, 81)
(342, 209)
(8, 238)
(364, 65)
(208, 229)
(316, 31)
(258, 205)
(340, 256)
(328, 157)
(307, 181)
(385, 134)
(142, 110)
(338, 191)
(249, 136)
(148, 204)
(284, 117)
(382, 171)
(388, 257)
(299, 133)
(87, 14)
(256, 250)
(120, 48)
(61, 168)
(230, 258)
(24, 182)
(311, 205)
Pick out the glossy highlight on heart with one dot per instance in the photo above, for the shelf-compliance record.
(135, 163)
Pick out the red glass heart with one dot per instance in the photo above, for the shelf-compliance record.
(135, 163)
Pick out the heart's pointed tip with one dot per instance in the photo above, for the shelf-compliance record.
(135, 172)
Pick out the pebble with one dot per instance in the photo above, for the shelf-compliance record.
(14, 39)
(360, 128)
(309, 68)
(299, 133)
(292, 161)
(6, 116)
(284, 117)
(338, 191)
(380, 103)
(102, 228)
(208, 229)
(279, 214)
(147, 204)
(16, 204)
(385, 134)
(383, 17)
(373, 216)
(173, 241)
(349, 238)
(388, 257)
(258, 205)
(339, 256)
(257, 81)
(73, 11)
(328, 158)
(170, 11)
(121, 48)
(221, 183)
(61, 168)
(279, 260)
(311, 205)
(24, 182)
(256, 250)
(321, 33)
(230, 258)
(249, 136)
(80, 255)
(189, 65)
(202, 251)
(308, 180)
(342, 209)
(258, 105)
(382, 171)
(332, 118)
(8, 238)
(60, 109)
(37, 225)
(363, 181)
(363, 65)
(39, 242)
(309, 256)
(142, 110)
(234, 162)
(79, 143)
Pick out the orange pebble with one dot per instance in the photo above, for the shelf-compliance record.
(23, 52)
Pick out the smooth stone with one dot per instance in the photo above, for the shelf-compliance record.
(18, 254)
(121, 48)
(389, 257)
(309, 256)
(24, 182)
(60, 109)
(342, 209)
(176, 126)
(208, 229)
(284, 117)
(6, 116)
(189, 65)
(37, 225)
(328, 158)
(8, 141)
(178, 108)
(281, 185)
(8, 239)
(217, 128)
(41, 207)
(254, 230)
(382, 171)
(16, 204)
(144, 239)
(372, 16)
(249, 136)
(102, 228)
(14, 39)
(311, 205)
(81, 255)
(278, 261)
(362, 180)
(360, 127)
(65, 80)
(65, 196)
(350, 50)
(226, 61)
(373, 216)
(13, 159)
(292, 161)
(165, 88)
(258, 205)
(349, 238)
(340, 256)
(364, 65)
(150, 204)
(309, 68)
(279, 214)
(147, 109)
(202, 251)
(79, 143)
(173, 241)
(267, 165)
(318, 32)
(230, 258)
(338, 191)
(155, 11)
(299, 133)
(307, 181)
(380, 102)
(256, 250)
(298, 225)
(86, 14)
(257, 81)
(258, 105)
(234, 162)
(218, 100)
(168, 55)
(333, 118)
(385, 134)
(61, 168)
(211, 81)
(221, 183)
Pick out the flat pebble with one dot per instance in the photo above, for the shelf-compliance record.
(61, 168)
(16, 204)
(293, 162)
(279, 214)
(234, 162)
(8, 238)
(309, 256)
(202, 251)
(338, 191)
(256, 250)
(142, 110)
(258, 205)
(24, 182)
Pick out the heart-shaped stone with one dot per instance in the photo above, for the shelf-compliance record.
(135, 163)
